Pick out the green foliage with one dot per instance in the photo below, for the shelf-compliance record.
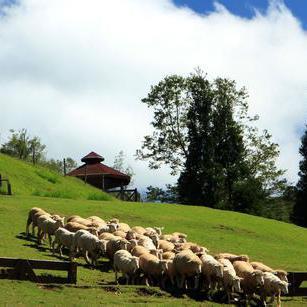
(58, 165)
(202, 130)
(98, 196)
(167, 195)
(120, 165)
(28, 179)
(47, 175)
(300, 207)
(168, 143)
(20, 145)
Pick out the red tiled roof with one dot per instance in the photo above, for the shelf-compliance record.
(92, 156)
(98, 169)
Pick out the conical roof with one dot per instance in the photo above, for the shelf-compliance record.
(92, 157)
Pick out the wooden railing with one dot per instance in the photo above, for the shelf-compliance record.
(295, 280)
(23, 269)
(126, 194)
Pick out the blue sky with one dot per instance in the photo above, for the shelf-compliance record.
(61, 55)
(246, 8)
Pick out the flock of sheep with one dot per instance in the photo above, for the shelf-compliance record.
(158, 259)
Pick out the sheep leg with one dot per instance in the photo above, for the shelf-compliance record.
(85, 254)
(196, 282)
(183, 283)
(116, 280)
(278, 300)
(126, 278)
(50, 240)
(53, 247)
(272, 298)
(29, 221)
(39, 237)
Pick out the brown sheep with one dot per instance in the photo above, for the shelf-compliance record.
(123, 227)
(251, 278)
(152, 268)
(232, 257)
(74, 227)
(168, 255)
(96, 219)
(139, 229)
(33, 214)
(187, 264)
(166, 245)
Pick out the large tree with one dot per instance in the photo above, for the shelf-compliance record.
(202, 130)
(300, 207)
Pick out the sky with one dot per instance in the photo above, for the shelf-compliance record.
(74, 71)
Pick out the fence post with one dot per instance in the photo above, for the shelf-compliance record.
(135, 194)
(9, 188)
(72, 273)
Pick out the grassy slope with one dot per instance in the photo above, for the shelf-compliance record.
(278, 244)
(27, 179)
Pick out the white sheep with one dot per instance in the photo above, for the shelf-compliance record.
(152, 268)
(48, 226)
(272, 286)
(231, 282)
(212, 271)
(251, 279)
(125, 263)
(63, 238)
(187, 264)
(89, 244)
(112, 227)
(115, 244)
(147, 243)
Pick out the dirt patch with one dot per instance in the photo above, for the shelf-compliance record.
(50, 287)
(114, 290)
(232, 229)
(149, 292)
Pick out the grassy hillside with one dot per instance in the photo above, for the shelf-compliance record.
(28, 179)
(278, 244)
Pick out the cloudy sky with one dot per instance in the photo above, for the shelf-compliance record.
(74, 71)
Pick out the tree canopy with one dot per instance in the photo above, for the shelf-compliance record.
(300, 207)
(203, 131)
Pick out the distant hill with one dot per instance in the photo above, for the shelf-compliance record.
(27, 179)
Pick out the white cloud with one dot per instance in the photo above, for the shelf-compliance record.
(74, 71)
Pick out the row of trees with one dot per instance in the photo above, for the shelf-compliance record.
(25, 147)
(203, 132)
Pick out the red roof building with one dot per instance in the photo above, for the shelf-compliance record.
(99, 175)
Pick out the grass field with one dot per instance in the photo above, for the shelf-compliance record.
(278, 244)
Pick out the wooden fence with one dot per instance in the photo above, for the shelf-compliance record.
(23, 269)
(126, 194)
(8, 185)
(295, 280)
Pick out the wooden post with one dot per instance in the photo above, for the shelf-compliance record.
(103, 182)
(121, 192)
(72, 273)
(64, 165)
(135, 194)
(9, 188)
(0, 180)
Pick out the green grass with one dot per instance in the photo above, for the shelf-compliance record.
(27, 179)
(278, 244)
